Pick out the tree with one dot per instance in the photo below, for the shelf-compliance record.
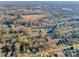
(24, 39)
(19, 38)
(6, 35)
(31, 43)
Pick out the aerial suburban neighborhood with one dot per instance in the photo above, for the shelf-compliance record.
(39, 29)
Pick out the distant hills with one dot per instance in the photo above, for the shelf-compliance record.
(54, 4)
